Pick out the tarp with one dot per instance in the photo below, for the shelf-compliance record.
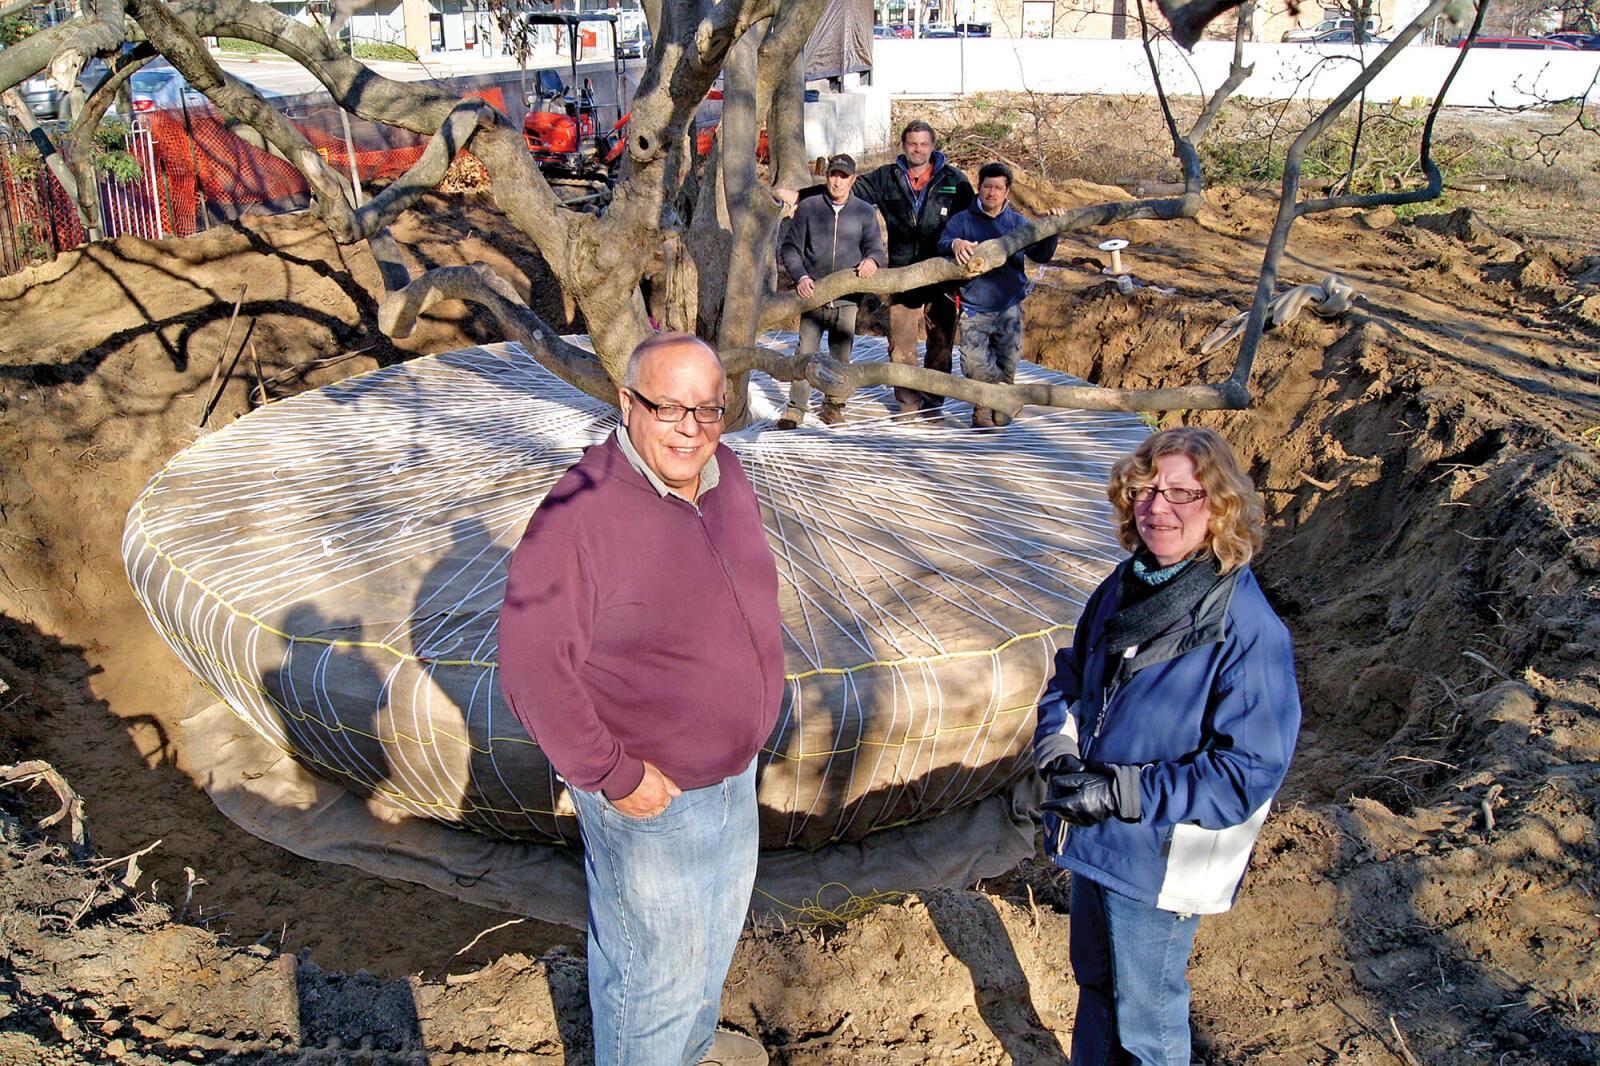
(841, 41)
(271, 796)
(331, 568)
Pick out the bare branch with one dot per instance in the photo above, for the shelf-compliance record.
(838, 380)
(1289, 210)
(991, 252)
(464, 120)
(1238, 71)
(71, 810)
(690, 50)
(398, 314)
(189, 54)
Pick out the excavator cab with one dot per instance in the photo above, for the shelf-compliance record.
(567, 128)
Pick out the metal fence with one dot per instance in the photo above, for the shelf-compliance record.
(38, 218)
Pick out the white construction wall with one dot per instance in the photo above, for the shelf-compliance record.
(957, 67)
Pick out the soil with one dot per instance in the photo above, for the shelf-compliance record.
(1424, 891)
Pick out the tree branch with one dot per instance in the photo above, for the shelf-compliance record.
(1289, 210)
(838, 380)
(1237, 73)
(990, 253)
(183, 47)
(397, 317)
(71, 811)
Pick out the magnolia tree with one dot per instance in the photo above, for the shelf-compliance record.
(696, 234)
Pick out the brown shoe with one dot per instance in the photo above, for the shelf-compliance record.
(999, 418)
(729, 1048)
(791, 418)
(832, 414)
(982, 418)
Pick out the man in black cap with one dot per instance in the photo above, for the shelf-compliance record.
(829, 234)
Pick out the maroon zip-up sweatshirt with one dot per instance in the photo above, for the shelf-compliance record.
(643, 627)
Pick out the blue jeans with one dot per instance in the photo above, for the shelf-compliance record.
(991, 344)
(1130, 961)
(840, 322)
(668, 896)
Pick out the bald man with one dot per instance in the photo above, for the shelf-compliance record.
(640, 645)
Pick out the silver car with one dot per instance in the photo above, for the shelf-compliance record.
(47, 103)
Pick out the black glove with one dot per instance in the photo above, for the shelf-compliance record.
(1061, 764)
(1083, 798)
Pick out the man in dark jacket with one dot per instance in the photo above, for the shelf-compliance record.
(918, 193)
(828, 234)
(642, 649)
(991, 304)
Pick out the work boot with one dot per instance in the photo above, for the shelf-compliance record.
(999, 418)
(832, 414)
(792, 417)
(982, 418)
(729, 1048)
(932, 412)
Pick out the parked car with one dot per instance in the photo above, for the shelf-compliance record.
(938, 31)
(1346, 37)
(1532, 43)
(1588, 42)
(47, 103)
(158, 86)
(1330, 25)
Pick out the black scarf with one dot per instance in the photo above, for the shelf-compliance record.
(1170, 603)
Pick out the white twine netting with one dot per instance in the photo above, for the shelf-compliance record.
(331, 567)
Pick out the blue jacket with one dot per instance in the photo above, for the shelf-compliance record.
(1205, 716)
(1004, 286)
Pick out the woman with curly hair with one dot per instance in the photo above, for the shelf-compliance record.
(1163, 736)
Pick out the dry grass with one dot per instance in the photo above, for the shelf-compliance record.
(1110, 139)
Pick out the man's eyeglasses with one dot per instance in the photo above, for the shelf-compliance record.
(1146, 493)
(675, 412)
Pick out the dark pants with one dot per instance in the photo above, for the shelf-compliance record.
(938, 318)
(840, 323)
(1131, 963)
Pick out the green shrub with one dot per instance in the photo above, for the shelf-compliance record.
(110, 152)
(24, 163)
(235, 44)
(14, 28)
(383, 50)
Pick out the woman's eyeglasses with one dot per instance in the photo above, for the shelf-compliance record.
(1146, 493)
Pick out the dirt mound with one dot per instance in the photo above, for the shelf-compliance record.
(1425, 888)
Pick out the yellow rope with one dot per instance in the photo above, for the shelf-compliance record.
(810, 913)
